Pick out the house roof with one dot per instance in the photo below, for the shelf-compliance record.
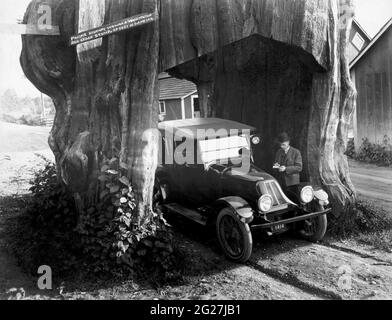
(190, 127)
(383, 30)
(173, 88)
(368, 38)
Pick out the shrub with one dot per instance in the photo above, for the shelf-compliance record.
(45, 232)
(28, 120)
(376, 153)
(380, 154)
(350, 152)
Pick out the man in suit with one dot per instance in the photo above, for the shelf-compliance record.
(288, 164)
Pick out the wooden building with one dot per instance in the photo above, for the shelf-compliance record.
(178, 99)
(371, 71)
(359, 40)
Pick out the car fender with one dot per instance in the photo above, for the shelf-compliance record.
(239, 205)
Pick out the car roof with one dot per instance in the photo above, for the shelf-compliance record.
(189, 127)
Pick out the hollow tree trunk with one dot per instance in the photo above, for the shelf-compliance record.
(275, 64)
(281, 66)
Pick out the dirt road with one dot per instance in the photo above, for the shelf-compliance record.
(16, 138)
(373, 182)
(289, 268)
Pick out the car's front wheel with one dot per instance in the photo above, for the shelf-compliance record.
(314, 229)
(234, 236)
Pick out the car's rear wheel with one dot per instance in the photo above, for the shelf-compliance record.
(234, 236)
(314, 229)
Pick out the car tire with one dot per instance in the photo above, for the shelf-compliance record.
(234, 236)
(314, 230)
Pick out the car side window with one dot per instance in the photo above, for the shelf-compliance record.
(163, 150)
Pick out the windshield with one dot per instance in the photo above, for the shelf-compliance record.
(237, 170)
(223, 150)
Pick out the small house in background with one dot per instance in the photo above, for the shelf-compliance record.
(359, 40)
(178, 99)
(371, 72)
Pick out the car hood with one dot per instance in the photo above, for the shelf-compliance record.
(252, 176)
(252, 185)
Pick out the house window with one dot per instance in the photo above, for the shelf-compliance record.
(196, 112)
(358, 41)
(162, 108)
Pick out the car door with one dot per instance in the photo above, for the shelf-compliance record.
(203, 186)
(183, 174)
(198, 185)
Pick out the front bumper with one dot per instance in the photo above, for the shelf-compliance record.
(291, 220)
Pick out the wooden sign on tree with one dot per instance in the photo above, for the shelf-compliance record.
(112, 28)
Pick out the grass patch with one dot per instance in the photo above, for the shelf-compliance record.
(368, 223)
(379, 240)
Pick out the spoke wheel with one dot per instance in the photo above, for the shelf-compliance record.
(234, 236)
(314, 230)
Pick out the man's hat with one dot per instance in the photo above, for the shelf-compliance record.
(283, 137)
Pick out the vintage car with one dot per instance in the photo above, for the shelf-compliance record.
(207, 174)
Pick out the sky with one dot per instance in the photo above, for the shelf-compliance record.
(371, 14)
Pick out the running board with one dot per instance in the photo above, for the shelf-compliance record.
(186, 212)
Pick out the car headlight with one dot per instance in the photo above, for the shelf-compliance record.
(265, 203)
(307, 195)
(256, 140)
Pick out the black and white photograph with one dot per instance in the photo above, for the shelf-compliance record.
(207, 152)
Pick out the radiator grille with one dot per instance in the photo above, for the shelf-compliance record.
(271, 188)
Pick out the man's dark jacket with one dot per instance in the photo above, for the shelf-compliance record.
(293, 163)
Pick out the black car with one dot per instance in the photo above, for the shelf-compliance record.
(207, 174)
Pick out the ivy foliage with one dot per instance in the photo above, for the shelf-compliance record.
(107, 238)
(112, 231)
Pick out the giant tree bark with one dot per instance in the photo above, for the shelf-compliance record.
(105, 94)
(276, 64)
